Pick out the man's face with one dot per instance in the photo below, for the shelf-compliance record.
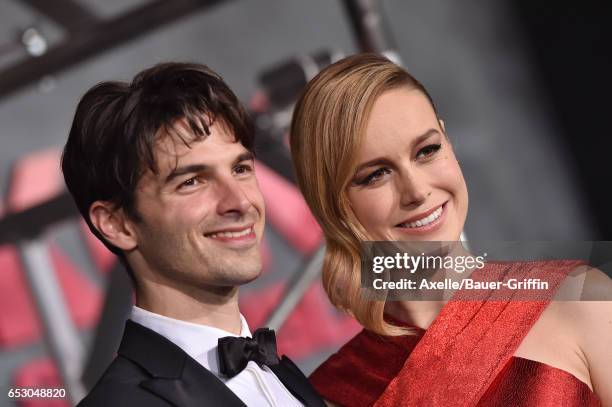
(202, 214)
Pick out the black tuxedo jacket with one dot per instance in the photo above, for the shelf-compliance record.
(151, 371)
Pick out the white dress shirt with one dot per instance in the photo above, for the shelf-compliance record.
(255, 386)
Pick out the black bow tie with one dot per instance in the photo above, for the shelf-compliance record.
(235, 352)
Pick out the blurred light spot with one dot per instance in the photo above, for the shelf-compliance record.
(46, 84)
(35, 43)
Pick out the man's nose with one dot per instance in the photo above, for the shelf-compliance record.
(232, 197)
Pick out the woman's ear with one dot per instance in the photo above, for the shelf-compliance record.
(442, 125)
(113, 225)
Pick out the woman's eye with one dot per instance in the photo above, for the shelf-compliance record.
(428, 150)
(375, 176)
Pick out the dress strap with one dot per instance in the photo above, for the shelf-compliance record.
(473, 338)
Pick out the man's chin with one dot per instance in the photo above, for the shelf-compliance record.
(243, 272)
(237, 281)
(251, 278)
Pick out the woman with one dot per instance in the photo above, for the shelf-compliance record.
(374, 163)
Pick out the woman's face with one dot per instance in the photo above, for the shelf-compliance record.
(407, 183)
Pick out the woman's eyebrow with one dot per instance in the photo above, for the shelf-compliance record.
(381, 160)
(429, 133)
(371, 163)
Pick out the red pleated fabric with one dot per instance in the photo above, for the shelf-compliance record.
(463, 359)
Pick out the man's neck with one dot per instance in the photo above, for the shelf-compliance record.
(215, 307)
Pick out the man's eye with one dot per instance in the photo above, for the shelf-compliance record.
(243, 169)
(428, 150)
(374, 176)
(189, 183)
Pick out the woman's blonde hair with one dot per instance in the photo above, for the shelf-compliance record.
(326, 134)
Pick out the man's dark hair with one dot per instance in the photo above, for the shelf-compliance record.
(116, 125)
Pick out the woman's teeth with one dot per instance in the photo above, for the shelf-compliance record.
(426, 220)
(232, 235)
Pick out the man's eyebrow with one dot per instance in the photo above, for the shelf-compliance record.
(187, 169)
(381, 160)
(246, 156)
(195, 168)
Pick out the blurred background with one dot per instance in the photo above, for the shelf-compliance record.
(523, 87)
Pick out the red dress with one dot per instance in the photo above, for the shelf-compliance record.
(465, 358)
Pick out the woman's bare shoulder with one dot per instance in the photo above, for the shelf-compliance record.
(585, 283)
(593, 323)
(574, 330)
(584, 301)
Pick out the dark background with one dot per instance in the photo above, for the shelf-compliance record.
(569, 43)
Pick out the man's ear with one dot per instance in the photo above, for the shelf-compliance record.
(113, 224)
(442, 125)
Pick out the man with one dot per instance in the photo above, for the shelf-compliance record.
(162, 171)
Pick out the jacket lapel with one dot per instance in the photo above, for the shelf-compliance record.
(176, 377)
(295, 381)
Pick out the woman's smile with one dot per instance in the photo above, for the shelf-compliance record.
(426, 222)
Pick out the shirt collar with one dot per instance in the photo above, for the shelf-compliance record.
(198, 341)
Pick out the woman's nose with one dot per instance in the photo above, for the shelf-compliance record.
(414, 188)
